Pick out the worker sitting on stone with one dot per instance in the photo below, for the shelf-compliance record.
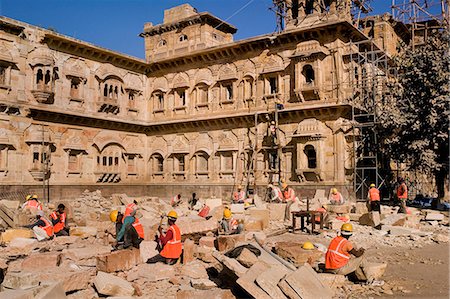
(176, 200)
(335, 197)
(289, 198)
(239, 195)
(193, 201)
(32, 202)
(339, 260)
(129, 208)
(230, 225)
(42, 228)
(131, 231)
(275, 194)
(58, 218)
(170, 242)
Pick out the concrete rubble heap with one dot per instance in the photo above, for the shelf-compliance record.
(272, 263)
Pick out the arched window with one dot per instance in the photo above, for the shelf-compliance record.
(308, 72)
(39, 76)
(157, 163)
(116, 92)
(162, 43)
(105, 90)
(201, 162)
(47, 77)
(311, 156)
(183, 38)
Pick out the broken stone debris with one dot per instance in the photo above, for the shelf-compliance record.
(108, 284)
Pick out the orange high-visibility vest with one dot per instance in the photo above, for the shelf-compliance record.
(238, 196)
(289, 194)
(374, 194)
(62, 221)
(48, 227)
(336, 197)
(139, 228)
(34, 204)
(335, 257)
(173, 248)
(233, 224)
(128, 209)
(403, 194)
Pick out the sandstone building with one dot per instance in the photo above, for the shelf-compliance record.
(194, 115)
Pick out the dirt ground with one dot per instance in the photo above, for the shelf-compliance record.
(418, 273)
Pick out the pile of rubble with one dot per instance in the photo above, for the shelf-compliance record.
(266, 261)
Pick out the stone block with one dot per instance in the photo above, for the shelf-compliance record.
(194, 270)
(333, 280)
(247, 281)
(188, 251)
(83, 231)
(10, 204)
(361, 208)
(20, 280)
(24, 243)
(261, 214)
(227, 242)
(207, 242)
(11, 234)
(276, 211)
(392, 219)
(366, 219)
(404, 231)
(338, 209)
(41, 261)
(354, 217)
(199, 225)
(71, 280)
(210, 294)
(205, 254)
(374, 270)
(287, 290)
(247, 258)
(253, 224)
(213, 203)
(294, 253)
(230, 263)
(121, 260)
(147, 250)
(54, 291)
(307, 284)
(108, 284)
(269, 279)
(151, 272)
(87, 252)
(66, 240)
(237, 208)
(434, 216)
(203, 284)
(17, 294)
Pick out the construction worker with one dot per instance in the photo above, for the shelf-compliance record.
(239, 195)
(129, 208)
(58, 218)
(170, 242)
(289, 198)
(374, 198)
(229, 224)
(339, 260)
(42, 228)
(402, 194)
(193, 201)
(275, 194)
(176, 200)
(336, 197)
(32, 202)
(131, 231)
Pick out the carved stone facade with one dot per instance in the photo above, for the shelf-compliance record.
(189, 115)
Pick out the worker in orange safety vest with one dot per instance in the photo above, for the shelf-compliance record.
(336, 197)
(289, 198)
(342, 258)
(170, 242)
(131, 231)
(32, 202)
(402, 194)
(374, 198)
(129, 208)
(58, 219)
(275, 194)
(239, 195)
(42, 228)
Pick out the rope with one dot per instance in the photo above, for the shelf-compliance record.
(235, 13)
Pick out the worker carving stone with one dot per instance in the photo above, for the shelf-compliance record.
(131, 231)
(176, 200)
(239, 195)
(230, 225)
(58, 218)
(336, 197)
(275, 194)
(42, 228)
(170, 243)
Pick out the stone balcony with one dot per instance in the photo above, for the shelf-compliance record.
(44, 94)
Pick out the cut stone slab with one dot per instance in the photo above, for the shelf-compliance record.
(269, 279)
(11, 234)
(23, 243)
(54, 291)
(10, 204)
(253, 224)
(209, 294)
(287, 290)
(213, 203)
(17, 294)
(71, 280)
(151, 272)
(41, 261)
(194, 270)
(83, 231)
(434, 216)
(203, 284)
(247, 281)
(207, 242)
(261, 214)
(188, 251)
(392, 219)
(108, 284)
(306, 283)
(247, 258)
(374, 270)
(276, 211)
(361, 208)
(237, 208)
(231, 264)
(338, 209)
(66, 240)
(121, 260)
(404, 231)
(366, 219)
(20, 280)
(147, 250)
(333, 280)
(294, 253)
(87, 252)
(225, 243)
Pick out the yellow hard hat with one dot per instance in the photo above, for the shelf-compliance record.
(372, 185)
(284, 185)
(34, 196)
(346, 229)
(113, 215)
(308, 246)
(239, 187)
(227, 214)
(334, 190)
(172, 214)
(28, 197)
(247, 204)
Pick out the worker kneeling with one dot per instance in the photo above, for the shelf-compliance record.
(230, 225)
(338, 259)
(42, 228)
(170, 242)
(131, 232)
